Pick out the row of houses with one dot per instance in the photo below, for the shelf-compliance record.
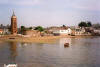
(80, 31)
(61, 31)
(68, 31)
(57, 31)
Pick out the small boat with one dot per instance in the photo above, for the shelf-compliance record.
(10, 65)
(66, 45)
(11, 38)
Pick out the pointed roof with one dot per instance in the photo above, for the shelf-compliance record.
(13, 13)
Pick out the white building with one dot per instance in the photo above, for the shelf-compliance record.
(79, 31)
(97, 31)
(62, 31)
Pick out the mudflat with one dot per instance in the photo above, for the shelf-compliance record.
(44, 39)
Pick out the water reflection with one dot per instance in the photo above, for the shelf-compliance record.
(65, 40)
(13, 49)
(23, 44)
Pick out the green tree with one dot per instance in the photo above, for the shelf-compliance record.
(82, 24)
(39, 28)
(9, 28)
(23, 29)
(30, 28)
(64, 26)
(89, 24)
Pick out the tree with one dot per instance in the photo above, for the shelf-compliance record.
(64, 26)
(82, 24)
(89, 24)
(85, 24)
(1, 26)
(39, 28)
(9, 28)
(30, 28)
(23, 29)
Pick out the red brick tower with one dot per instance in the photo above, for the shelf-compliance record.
(13, 24)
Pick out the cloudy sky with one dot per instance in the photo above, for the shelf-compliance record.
(50, 12)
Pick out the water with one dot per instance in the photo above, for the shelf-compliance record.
(83, 52)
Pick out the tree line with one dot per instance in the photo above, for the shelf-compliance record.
(39, 28)
(85, 24)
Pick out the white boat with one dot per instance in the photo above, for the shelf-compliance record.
(10, 65)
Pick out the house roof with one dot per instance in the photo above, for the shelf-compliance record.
(57, 28)
(1, 29)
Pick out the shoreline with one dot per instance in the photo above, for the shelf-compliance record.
(44, 39)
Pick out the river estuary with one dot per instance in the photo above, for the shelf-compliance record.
(83, 52)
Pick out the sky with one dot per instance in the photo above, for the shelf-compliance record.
(50, 12)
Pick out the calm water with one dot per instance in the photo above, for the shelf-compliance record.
(83, 52)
